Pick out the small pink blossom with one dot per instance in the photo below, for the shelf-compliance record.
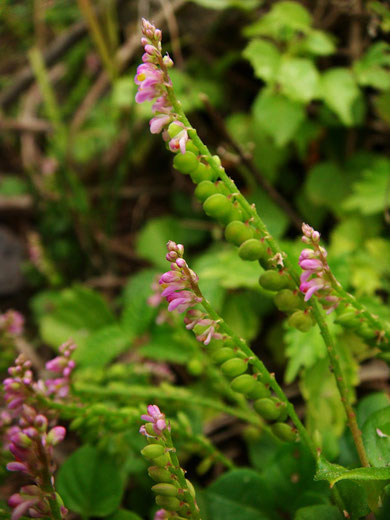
(155, 417)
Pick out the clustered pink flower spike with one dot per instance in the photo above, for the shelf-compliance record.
(315, 277)
(178, 283)
(207, 328)
(31, 442)
(157, 418)
(63, 365)
(152, 80)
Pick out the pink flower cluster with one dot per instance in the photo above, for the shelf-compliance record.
(178, 283)
(11, 323)
(315, 277)
(152, 80)
(156, 418)
(63, 365)
(30, 441)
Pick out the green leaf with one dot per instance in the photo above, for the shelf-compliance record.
(123, 514)
(240, 313)
(278, 116)
(90, 483)
(153, 238)
(264, 58)
(282, 21)
(382, 106)
(303, 350)
(370, 70)
(339, 91)
(240, 493)
(354, 497)
(320, 512)
(137, 314)
(102, 346)
(298, 78)
(326, 185)
(333, 473)
(73, 313)
(164, 345)
(384, 13)
(376, 438)
(319, 43)
(369, 193)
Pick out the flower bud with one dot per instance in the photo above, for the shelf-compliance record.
(56, 435)
(237, 232)
(153, 451)
(259, 390)
(162, 461)
(287, 301)
(203, 172)
(168, 503)
(168, 490)
(185, 162)
(217, 206)
(243, 384)
(234, 367)
(222, 354)
(252, 249)
(159, 474)
(191, 488)
(284, 432)
(267, 408)
(301, 320)
(204, 190)
(175, 128)
(274, 280)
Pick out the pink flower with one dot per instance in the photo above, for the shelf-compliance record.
(12, 322)
(179, 141)
(155, 417)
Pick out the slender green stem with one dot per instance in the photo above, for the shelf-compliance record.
(169, 394)
(176, 469)
(318, 314)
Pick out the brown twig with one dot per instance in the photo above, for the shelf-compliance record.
(54, 52)
(267, 187)
(31, 124)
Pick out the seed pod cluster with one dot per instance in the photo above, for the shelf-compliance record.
(352, 319)
(235, 365)
(169, 494)
(287, 299)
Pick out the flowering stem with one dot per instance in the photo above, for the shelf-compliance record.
(251, 213)
(341, 383)
(176, 469)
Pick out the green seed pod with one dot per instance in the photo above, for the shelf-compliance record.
(222, 188)
(190, 147)
(348, 319)
(267, 408)
(282, 408)
(301, 320)
(252, 433)
(366, 332)
(162, 461)
(234, 367)
(203, 172)
(152, 451)
(159, 474)
(168, 490)
(204, 190)
(284, 432)
(274, 280)
(237, 232)
(168, 503)
(259, 390)
(222, 354)
(217, 206)
(191, 488)
(195, 367)
(174, 129)
(252, 249)
(287, 300)
(185, 162)
(217, 159)
(243, 384)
